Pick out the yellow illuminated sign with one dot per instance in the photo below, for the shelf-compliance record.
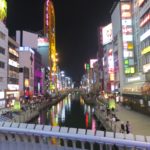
(130, 45)
(112, 77)
(145, 50)
(3, 9)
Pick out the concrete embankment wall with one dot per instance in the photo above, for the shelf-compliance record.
(100, 115)
(31, 113)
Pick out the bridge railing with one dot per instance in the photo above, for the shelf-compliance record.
(22, 136)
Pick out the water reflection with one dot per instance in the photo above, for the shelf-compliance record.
(71, 112)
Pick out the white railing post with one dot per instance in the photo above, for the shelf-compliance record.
(91, 146)
(74, 144)
(82, 145)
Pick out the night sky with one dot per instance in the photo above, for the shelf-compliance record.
(76, 28)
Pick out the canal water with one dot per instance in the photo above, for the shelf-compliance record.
(70, 112)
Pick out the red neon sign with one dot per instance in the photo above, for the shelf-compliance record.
(145, 20)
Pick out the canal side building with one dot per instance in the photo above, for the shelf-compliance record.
(3, 62)
(26, 75)
(12, 91)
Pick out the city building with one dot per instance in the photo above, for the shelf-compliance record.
(38, 85)
(12, 91)
(26, 69)
(3, 62)
(108, 59)
(29, 42)
(144, 24)
(130, 21)
(100, 59)
(43, 49)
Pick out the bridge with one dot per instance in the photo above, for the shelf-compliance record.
(23, 136)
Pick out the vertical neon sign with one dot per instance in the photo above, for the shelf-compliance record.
(127, 37)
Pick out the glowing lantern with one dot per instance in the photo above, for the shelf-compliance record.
(3, 9)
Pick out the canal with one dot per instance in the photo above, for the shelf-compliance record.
(70, 112)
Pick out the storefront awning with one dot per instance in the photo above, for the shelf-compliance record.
(133, 88)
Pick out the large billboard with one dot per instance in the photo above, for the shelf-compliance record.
(107, 34)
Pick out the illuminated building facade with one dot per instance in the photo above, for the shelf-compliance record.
(49, 31)
(43, 49)
(38, 85)
(131, 42)
(123, 47)
(145, 34)
(108, 58)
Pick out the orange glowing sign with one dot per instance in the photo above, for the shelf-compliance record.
(125, 7)
(126, 14)
(26, 82)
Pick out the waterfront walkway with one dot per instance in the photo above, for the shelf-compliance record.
(140, 123)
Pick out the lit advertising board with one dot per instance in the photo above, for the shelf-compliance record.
(111, 65)
(107, 34)
(145, 35)
(145, 20)
(13, 87)
(92, 61)
(13, 63)
(43, 42)
(2, 94)
(127, 37)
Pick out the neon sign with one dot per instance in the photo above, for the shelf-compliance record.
(145, 20)
(127, 37)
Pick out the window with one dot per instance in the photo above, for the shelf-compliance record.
(2, 35)
(2, 51)
(2, 64)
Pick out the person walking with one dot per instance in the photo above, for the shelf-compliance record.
(122, 126)
(128, 127)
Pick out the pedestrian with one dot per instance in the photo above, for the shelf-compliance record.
(128, 127)
(122, 126)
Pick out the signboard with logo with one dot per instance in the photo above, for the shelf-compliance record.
(107, 34)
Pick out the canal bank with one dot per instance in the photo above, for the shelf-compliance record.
(99, 114)
(32, 111)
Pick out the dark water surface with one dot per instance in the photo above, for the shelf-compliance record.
(70, 112)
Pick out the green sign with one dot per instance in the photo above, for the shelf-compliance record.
(87, 66)
(17, 105)
(112, 104)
